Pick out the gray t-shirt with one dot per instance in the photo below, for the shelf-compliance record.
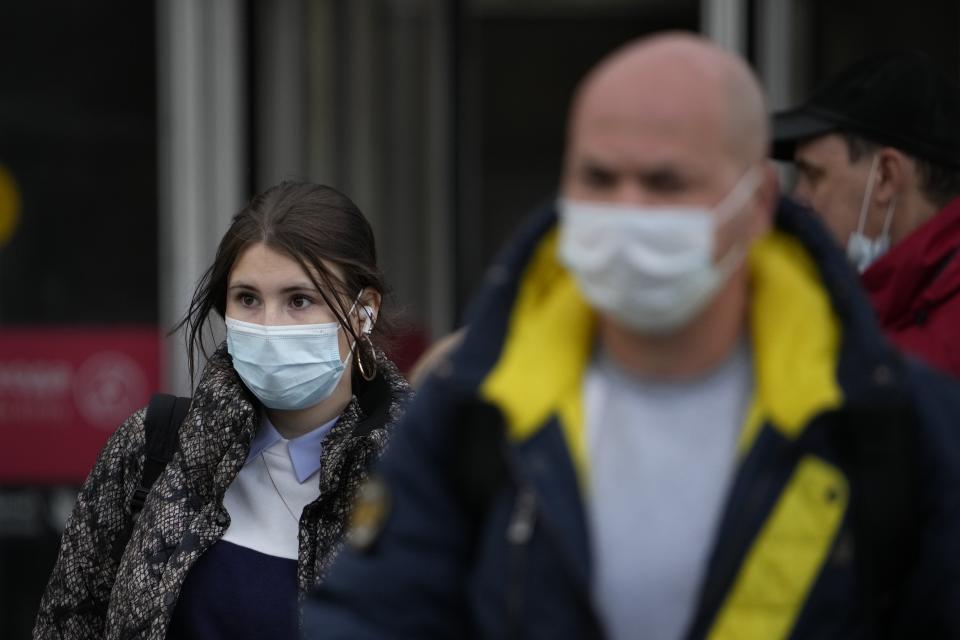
(661, 457)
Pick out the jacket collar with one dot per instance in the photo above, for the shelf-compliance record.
(218, 428)
(807, 316)
(223, 419)
(919, 272)
(376, 404)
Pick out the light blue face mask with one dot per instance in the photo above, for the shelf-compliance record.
(287, 367)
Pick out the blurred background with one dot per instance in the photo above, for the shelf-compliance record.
(130, 132)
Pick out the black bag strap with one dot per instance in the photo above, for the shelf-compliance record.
(165, 414)
(161, 425)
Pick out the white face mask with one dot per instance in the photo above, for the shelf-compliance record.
(861, 250)
(289, 367)
(650, 268)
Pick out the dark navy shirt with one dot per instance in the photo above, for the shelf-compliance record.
(236, 593)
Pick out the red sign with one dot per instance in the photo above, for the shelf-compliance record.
(63, 391)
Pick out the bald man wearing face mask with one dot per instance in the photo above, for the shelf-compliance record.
(673, 415)
(877, 151)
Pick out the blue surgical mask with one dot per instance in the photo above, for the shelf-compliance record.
(287, 367)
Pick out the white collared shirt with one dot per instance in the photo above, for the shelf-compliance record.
(266, 499)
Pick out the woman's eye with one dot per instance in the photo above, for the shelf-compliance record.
(247, 300)
(300, 302)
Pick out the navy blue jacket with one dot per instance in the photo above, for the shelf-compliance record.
(843, 520)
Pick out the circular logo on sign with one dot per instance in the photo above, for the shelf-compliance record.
(108, 387)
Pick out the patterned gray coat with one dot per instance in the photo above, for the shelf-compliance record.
(90, 596)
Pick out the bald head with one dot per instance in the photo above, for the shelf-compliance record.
(669, 119)
(684, 76)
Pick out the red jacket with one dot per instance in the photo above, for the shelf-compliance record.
(915, 290)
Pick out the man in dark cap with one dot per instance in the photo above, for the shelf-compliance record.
(877, 150)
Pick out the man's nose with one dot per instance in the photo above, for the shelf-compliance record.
(629, 192)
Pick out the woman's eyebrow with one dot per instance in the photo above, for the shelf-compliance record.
(297, 286)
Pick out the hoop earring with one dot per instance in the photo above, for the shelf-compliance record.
(365, 373)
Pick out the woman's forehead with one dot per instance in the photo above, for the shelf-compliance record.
(262, 265)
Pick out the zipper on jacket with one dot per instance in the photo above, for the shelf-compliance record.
(519, 532)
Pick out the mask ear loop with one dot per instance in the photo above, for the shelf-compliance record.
(737, 198)
(865, 205)
(727, 208)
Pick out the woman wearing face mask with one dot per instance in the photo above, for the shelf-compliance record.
(286, 417)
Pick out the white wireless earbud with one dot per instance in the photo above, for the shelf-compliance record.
(370, 319)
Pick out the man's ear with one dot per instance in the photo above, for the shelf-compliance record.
(892, 169)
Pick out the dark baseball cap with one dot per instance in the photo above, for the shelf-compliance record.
(899, 99)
